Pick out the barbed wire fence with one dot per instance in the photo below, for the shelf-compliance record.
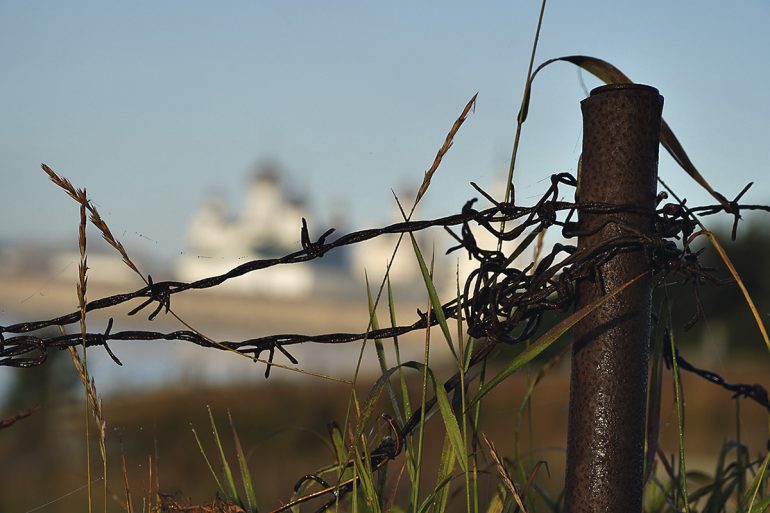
(500, 303)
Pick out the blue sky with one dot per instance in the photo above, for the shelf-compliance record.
(151, 104)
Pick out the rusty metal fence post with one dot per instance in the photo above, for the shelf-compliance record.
(605, 448)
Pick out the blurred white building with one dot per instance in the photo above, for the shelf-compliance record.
(267, 226)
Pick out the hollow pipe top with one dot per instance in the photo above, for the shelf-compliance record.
(617, 87)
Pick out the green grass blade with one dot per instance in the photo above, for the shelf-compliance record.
(509, 192)
(429, 500)
(380, 350)
(719, 495)
(680, 424)
(470, 493)
(742, 452)
(376, 389)
(248, 487)
(231, 490)
(438, 309)
(761, 506)
(208, 462)
(447, 415)
(397, 350)
(338, 442)
(407, 407)
(652, 419)
(393, 323)
(380, 487)
(546, 340)
(756, 484)
(450, 423)
(445, 470)
(363, 470)
(474, 441)
(498, 500)
(445, 408)
(442, 399)
(609, 74)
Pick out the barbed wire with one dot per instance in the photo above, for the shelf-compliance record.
(755, 392)
(498, 298)
(500, 303)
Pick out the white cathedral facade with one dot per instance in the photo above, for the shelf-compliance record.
(267, 226)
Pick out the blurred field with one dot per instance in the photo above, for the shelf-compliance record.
(283, 427)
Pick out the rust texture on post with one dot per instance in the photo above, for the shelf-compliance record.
(605, 448)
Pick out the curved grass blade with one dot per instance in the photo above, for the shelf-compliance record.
(654, 401)
(447, 415)
(248, 487)
(545, 340)
(435, 302)
(231, 492)
(680, 423)
(442, 399)
(432, 496)
(723, 483)
(761, 506)
(509, 190)
(497, 501)
(208, 462)
(363, 470)
(758, 507)
(609, 74)
(338, 442)
(446, 468)
(380, 350)
(533, 474)
(397, 351)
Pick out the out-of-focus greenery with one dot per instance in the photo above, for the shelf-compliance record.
(726, 327)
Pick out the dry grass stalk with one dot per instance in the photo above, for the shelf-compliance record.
(79, 195)
(504, 474)
(97, 221)
(81, 366)
(76, 194)
(129, 506)
(82, 287)
(149, 500)
(445, 148)
(94, 400)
